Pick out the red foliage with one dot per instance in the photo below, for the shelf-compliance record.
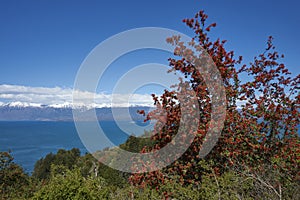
(264, 128)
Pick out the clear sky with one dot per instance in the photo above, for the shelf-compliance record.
(43, 42)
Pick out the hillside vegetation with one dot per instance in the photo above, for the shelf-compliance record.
(257, 155)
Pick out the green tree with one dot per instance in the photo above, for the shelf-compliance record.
(67, 158)
(14, 182)
(70, 184)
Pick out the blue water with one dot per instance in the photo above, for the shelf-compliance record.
(30, 141)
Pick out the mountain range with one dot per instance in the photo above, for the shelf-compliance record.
(18, 111)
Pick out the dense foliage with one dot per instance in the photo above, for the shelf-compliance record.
(14, 182)
(259, 141)
(256, 157)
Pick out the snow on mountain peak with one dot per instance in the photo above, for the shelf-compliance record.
(66, 105)
(62, 105)
(20, 104)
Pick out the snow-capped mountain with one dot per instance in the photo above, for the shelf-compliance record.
(20, 104)
(20, 111)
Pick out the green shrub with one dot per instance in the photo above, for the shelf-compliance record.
(14, 182)
(70, 184)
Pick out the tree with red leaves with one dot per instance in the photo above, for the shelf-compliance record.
(262, 114)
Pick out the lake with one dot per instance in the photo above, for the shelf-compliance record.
(30, 141)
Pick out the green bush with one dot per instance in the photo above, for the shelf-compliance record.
(14, 182)
(70, 184)
(63, 157)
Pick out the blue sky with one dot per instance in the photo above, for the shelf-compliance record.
(43, 43)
